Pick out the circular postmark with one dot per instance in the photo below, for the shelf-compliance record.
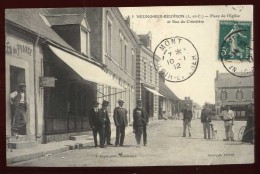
(177, 59)
(236, 53)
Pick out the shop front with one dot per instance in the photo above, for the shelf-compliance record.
(67, 103)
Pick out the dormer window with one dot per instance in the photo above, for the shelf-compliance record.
(84, 41)
(73, 29)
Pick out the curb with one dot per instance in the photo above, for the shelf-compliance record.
(34, 155)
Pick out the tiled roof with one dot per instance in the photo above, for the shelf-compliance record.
(166, 91)
(65, 19)
(31, 19)
(229, 80)
(74, 10)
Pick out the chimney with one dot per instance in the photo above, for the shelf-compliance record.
(161, 76)
(217, 75)
(146, 40)
(127, 21)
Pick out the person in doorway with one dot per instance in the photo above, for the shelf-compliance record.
(120, 119)
(206, 115)
(18, 99)
(93, 121)
(248, 135)
(187, 116)
(228, 117)
(104, 123)
(140, 122)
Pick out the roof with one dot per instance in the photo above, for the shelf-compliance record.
(31, 19)
(228, 80)
(166, 91)
(75, 10)
(65, 19)
(137, 39)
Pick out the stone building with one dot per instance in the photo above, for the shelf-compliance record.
(234, 91)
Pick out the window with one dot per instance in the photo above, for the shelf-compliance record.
(145, 70)
(109, 36)
(133, 62)
(125, 56)
(156, 79)
(151, 72)
(121, 48)
(239, 95)
(84, 39)
(223, 95)
(123, 51)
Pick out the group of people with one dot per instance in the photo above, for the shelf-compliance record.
(227, 115)
(100, 123)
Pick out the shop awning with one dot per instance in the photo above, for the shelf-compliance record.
(84, 69)
(153, 91)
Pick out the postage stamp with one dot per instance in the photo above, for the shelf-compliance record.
(235, 40)
(178, 59)
(235, 48)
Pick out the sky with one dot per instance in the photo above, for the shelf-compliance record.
(204, 36)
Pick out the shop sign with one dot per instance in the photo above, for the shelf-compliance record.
(47, 82)
(18, 48)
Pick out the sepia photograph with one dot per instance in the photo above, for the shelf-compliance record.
(129, 86)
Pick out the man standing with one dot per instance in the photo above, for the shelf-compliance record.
(141, 120)
(93, 121)
(104, 123)
(248, 135)
(187, 116)
(120, 119)
(206, 115)
(18, 99)
(228, 117)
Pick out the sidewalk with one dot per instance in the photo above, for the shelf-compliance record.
(40, 150)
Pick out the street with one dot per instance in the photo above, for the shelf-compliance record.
(166, 147)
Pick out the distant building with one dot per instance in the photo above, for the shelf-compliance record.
(196, 110)
(169, 102)
(234, 91)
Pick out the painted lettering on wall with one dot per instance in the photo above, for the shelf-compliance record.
(17, 47)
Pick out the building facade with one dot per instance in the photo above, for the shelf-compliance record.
(115, 47)
(147, 78)
(234, 91)
(58, 70)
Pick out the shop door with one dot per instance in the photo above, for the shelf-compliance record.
(17, 76)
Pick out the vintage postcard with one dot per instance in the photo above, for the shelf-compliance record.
(129, 86)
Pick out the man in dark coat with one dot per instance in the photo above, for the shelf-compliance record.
(104, 125)
(120, 119)
(248, 135)
(93, 121)
(140, 123)
(18, 99)
(206, 116)
(187, 116)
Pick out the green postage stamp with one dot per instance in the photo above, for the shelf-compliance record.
(235, 40)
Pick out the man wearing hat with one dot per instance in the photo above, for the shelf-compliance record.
(104, 123)
(228, 117)
(93, 121)
(18, 99)
(187, 116)
(206, 116)
(141, 120)
(120, 119)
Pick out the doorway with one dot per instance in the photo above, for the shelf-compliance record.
(17, 76)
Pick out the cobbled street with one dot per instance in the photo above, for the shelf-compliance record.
(166, 147)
